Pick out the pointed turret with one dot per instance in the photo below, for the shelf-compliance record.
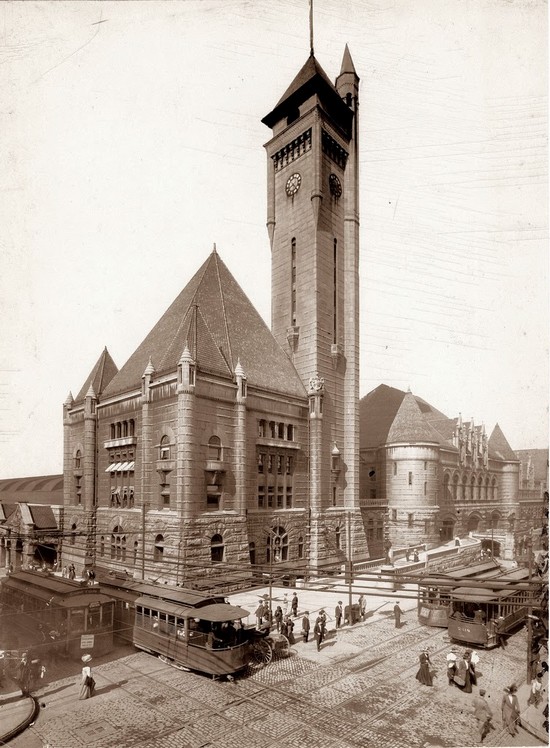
(347, 63)
(100, 376)
(70, 400)
(409, 424)
(499, 447)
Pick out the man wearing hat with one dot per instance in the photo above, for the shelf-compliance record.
(305, 626)
(338, 610)
(483, 714)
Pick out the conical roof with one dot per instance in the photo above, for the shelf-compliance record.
(409, 424)
(100, 376)
(499, 447)
(347, 63)
(213, 317)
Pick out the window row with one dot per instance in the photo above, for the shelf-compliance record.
(275, 430)
(214, 449)
(117, 541)
(122, 429)
(275, 463)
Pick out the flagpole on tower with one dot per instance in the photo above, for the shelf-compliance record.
(311, 27)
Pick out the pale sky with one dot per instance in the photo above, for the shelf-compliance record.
(131, 141)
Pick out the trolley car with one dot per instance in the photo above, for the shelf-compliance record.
(55, 616)
(188, 629)
(434, 592)
(481, 615)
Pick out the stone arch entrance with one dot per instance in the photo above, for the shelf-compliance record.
(44, 553)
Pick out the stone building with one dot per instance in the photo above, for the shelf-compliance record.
(221, 444)
(427, 478)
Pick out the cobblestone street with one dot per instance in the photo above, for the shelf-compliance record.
(359, 690)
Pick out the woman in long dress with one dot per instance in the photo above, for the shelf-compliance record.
(424, 674)
(87, 683)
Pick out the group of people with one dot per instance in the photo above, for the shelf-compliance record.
(461, 671)
(69, 572)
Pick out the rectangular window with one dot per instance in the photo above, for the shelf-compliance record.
(289, 465)
(290, 432)
(394, 515)
(410, 520)
(425, 488)
(289, 497)
(334, 496)
(280, 464)
(395, 468)
(269, 463)
(280, 496)
(213, 498)
(261, 459)
(425, 465)
(410, 479)
(261, 497)
(270, 495)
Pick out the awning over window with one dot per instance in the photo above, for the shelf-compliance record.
(120, 467)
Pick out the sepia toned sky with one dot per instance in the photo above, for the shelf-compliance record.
(131, 142)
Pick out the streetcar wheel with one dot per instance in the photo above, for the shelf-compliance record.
(260, 653)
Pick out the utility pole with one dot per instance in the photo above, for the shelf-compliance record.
(143, 510)
(530, 609)
(350, 567)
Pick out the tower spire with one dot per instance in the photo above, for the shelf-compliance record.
(311, 28)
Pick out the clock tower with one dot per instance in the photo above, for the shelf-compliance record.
(313, 227)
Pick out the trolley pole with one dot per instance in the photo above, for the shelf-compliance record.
(143, 510)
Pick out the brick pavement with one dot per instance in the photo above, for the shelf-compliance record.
(359, 690)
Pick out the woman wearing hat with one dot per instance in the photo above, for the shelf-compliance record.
(424, 674)
(87, 684)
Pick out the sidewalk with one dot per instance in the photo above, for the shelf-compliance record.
(531, 716)
(16, 713)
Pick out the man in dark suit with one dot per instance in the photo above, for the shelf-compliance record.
(305, 626)
(338, 610)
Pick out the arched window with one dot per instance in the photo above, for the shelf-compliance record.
(300, 547)
(494, 493)
(73, 533)
(337, 538)
(77, 458)
(164, 449)
(118, 544)
(158, 552)
(214, 448)
(495, 519)
(217, 549)
(472, 488)
(446, 485)
(473, 523)
(455, 488)
(278, 540)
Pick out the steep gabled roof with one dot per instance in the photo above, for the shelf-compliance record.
(218, 323)
(409, 424)
(100, 376)
(499, 447)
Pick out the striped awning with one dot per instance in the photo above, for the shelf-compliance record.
(120, 467)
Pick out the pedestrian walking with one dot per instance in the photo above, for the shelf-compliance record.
(72, 572)
(338, 610)
(510, 709)
(305, 626)
(278, 618)
(259, 615)
(462, 676)
(362, 607)
(416, 557)
(483, 714)
(319, 631)
(294, 605)
(472, 659)
(397, 613)
(535, 697)
(290, 630)
(87, 682)
(451, 665)
(23, 675)
(424, 674)
(500, 632)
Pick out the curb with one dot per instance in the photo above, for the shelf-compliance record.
(29, 719)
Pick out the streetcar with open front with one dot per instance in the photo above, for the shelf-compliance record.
(480, 615)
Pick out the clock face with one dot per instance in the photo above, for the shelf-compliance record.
(293, 184)
(335, 185)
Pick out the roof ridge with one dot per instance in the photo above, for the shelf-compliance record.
(222, 295)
